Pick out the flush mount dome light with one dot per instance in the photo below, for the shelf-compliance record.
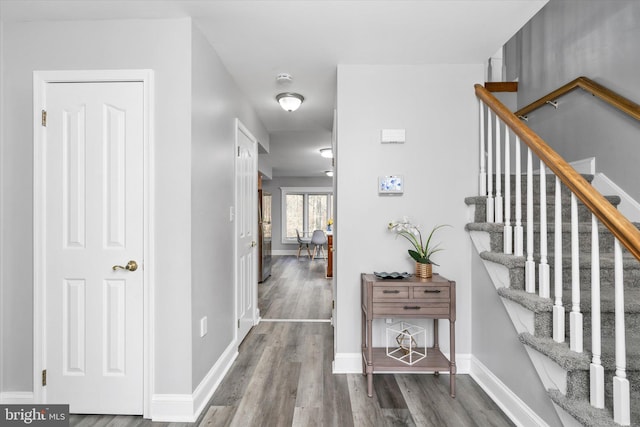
(326, 152)
(289, 101)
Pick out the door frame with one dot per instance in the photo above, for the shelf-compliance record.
(40, 81)
(240, 127)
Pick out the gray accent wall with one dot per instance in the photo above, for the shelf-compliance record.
(597, 39)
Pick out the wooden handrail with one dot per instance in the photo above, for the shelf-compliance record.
(610, 97)
(607, 214)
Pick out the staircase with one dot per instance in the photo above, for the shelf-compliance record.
(565, 373)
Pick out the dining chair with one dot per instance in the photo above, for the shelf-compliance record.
(318, 240)
(303, 242)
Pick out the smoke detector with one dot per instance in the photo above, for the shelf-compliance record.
(284, 78)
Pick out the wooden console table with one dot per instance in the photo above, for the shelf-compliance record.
(409, 298)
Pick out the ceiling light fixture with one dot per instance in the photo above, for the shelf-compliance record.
(289, 101)
(329, 173)
(326, 152)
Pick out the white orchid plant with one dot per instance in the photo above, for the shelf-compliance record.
(423, 250)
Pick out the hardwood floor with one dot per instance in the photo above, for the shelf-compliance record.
(297, 289)
(283, 375)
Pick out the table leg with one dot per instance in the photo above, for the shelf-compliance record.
(452, 358)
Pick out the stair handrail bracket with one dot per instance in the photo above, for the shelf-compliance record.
(607, 214)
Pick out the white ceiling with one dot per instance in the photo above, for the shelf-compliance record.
(257, 40)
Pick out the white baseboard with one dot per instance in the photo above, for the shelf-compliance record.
(186, 408)
(351, 363)
(508, 401)
(347, 363)
(172, 408)
(214, 377)
(585, 166)
(16, 398)
(628, 206)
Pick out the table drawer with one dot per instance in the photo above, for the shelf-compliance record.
(382, 293)
(430, 293)
(416, 308)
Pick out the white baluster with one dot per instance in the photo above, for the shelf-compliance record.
(508, 231)
(518, 232)
(575, 317)
(558, 309)
(530, 265)
(490, 206)
(595, 369)
(621, 396)
(543, 267)
(482, 176)
(498, 199)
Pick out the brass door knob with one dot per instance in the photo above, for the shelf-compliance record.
(253, 244)
(131, 266)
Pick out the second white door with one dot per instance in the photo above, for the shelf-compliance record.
(246, 230)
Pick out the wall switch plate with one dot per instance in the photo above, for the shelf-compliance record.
(389, 321)
(392, 136)
(231, 214)
(203, 326)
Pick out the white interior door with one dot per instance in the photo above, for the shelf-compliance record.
(94, 207)
(246, 230)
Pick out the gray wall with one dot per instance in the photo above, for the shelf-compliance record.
(216, 102)
(195, 108)
(438, 161)
(273, 186)
(99, 45)
(597, 39)
(496, 344)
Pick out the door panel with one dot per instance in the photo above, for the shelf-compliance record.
(94, 208)
(246, 240)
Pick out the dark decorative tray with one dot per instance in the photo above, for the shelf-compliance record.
(393, 275)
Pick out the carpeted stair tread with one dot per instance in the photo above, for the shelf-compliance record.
(558, 352)
(570, 360)
(482, 200)
(535, 303)
(509, 261)
(606, 260)
(498, 227)
(582, 410)
(529, 301)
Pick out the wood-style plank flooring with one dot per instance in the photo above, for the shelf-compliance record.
(283, 377)
(297, 289)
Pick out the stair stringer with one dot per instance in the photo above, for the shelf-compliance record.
(499, 273)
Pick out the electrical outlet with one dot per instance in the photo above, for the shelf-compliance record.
(389, 321)
(203, 326)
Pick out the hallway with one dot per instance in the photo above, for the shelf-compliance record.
(283, 374)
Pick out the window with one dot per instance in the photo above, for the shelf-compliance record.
(305, 210)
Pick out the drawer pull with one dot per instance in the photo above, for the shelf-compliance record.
(386, 291)
(412, 307)
(432, 291)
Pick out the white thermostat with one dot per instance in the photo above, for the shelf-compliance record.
(390, 184)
